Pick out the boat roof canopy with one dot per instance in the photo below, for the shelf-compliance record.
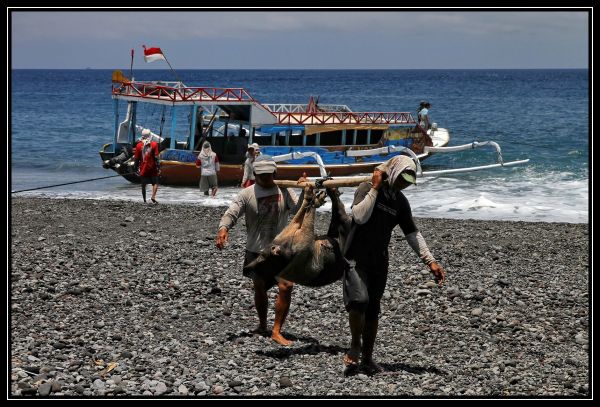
(278, 128)
(240, 105)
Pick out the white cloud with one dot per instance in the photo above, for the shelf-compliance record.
(206, 24)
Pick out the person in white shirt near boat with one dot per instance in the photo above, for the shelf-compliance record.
(208, 162)
(248, 178)
(266, 208)
(423, 115)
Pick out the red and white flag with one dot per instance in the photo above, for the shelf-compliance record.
(153, 54)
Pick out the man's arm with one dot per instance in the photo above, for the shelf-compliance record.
(417, 242)
(246, 172)
(137, 155)
(230, 218)
(364, 199)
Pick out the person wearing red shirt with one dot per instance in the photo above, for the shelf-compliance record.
(146, 154)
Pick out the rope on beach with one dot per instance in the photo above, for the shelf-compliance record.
(78, 182)
(69, 183)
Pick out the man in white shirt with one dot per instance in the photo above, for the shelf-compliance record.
(266, 207)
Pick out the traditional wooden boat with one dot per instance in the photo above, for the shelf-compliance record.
(317, 139)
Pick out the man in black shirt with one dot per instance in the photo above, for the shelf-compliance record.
(378, 207)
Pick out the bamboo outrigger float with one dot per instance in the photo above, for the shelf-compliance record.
(321, 140)
(326, 182)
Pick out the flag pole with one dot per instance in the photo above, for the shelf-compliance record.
(131, 66)
(174, 73)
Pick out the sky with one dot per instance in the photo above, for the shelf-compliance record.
(254, 39)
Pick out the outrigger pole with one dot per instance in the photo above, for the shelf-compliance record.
(328, 183)
(325, 181)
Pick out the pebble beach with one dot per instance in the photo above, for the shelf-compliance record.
(125, 299)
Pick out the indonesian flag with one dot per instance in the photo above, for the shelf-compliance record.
(153, 54)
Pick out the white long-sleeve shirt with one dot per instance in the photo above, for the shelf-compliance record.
(266, 211)
(248, 170)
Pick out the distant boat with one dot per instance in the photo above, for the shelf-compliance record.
(318, 139)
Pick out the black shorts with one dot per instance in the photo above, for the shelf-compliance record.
(269, 280)
(364, 286)
(149, 180)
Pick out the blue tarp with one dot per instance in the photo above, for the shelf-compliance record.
(277, 128)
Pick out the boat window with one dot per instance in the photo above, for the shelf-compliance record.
(280, 140)
(376, 136)
(296, 140)
(332, 138)
(361, 136)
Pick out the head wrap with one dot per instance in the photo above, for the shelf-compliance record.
(399, 165)
(206, 151)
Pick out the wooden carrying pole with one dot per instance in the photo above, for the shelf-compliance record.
(331, 183)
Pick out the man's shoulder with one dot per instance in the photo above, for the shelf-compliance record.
(248, 192)
(399, 198)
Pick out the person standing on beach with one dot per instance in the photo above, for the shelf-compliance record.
(266, 208)
(208, 162)
(248, 178)
(146, 156)
(378, 207)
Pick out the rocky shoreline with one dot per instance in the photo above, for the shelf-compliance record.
(112, 298)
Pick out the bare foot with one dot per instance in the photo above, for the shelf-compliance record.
(350, 365)
(260, 331)
(370, 368)
(280, 339)
(350, 359)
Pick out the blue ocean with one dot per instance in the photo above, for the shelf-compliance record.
(60, 119)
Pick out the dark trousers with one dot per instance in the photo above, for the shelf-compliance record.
(364, 286)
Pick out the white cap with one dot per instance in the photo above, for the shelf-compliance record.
(264, 164)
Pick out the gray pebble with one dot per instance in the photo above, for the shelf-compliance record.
(477, 312)
(44, 389)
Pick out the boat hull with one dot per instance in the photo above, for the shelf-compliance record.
(184, 174)
(178, 167)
